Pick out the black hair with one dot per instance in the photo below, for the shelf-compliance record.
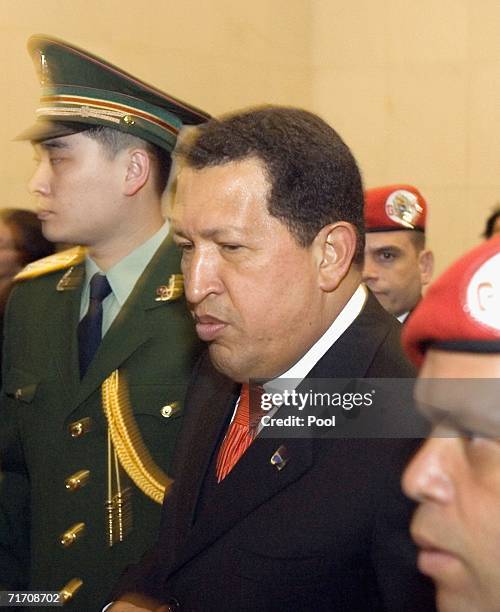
(313, 176)
(418, 239)
(114, 141)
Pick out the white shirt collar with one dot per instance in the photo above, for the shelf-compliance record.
(402, 317)
(346, 317)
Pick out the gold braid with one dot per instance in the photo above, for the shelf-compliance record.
(127, 440)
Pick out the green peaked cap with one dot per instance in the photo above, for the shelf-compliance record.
(80, 90)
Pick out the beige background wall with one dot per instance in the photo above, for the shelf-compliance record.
(414, 88)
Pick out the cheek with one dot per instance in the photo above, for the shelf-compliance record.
(399, 277)
(273, 309)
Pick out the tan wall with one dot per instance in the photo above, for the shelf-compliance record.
(414, 88)
(216, 54)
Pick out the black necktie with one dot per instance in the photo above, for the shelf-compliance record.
(90, 327)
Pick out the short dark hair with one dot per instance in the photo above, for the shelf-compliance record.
(490, 223)
(417, 239)
(26, 229)
(314, 178)
(114, 141)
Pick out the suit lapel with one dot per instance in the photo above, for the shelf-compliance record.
(210, 418)
(64, 338)
(251, 483)
(132, 327)
(353, 353)
(128, 332)
(254, 478)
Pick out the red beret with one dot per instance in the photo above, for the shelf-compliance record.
(395, 207)
(461, 310)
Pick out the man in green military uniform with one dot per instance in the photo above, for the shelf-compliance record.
(98, 344)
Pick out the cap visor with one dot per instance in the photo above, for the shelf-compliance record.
(45, 130)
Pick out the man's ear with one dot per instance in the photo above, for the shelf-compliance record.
(426, 266)
(137, 172)
(335, 246)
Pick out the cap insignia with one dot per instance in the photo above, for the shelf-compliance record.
(402, 207)
(43, 69)
(483, 294)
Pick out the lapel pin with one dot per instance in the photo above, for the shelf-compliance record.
(280, 458)
(173, 291)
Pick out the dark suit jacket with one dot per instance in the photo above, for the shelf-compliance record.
(328, 532)
(154, 346)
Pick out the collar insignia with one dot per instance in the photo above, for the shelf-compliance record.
(173, 291)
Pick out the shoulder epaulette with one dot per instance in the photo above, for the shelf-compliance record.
(52, 263)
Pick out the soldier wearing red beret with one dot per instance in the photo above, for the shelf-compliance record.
(397, 264)
(454, 336)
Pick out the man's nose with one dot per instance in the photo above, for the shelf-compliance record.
(39, 182)
(369, 271)
(427, 476)
(201, 276)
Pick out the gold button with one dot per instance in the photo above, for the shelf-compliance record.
(69, 537)
(77, 480)
(128, 120)
(170, 409)
(69, 590)
(78, 428)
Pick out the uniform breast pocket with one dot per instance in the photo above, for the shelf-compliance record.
(21, 386)
(161, 403)
(158, 411)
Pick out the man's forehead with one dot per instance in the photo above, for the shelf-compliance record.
(465, 404)
(232, 189)
(461, 388)
(439, 363)
(394, 239)
(53, 143)
(248, 170)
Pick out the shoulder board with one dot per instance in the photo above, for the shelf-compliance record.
(52, 263)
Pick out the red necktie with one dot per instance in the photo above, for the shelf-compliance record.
(238, 438)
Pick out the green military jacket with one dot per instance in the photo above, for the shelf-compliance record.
(53, 428)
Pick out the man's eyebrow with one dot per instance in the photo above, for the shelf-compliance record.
(213, 234)
(388, 247)
(449, 418)
(54, 144)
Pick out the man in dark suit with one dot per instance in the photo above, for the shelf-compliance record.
(268, 213)
(90, 425)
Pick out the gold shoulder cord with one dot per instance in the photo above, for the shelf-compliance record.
(128, 443)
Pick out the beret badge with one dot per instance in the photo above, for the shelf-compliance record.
(483, 294)
(402, 207)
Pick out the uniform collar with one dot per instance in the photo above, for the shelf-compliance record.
(123, 276)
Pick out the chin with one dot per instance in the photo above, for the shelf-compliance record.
(450, 600)
(53, 234)
(222, 362)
